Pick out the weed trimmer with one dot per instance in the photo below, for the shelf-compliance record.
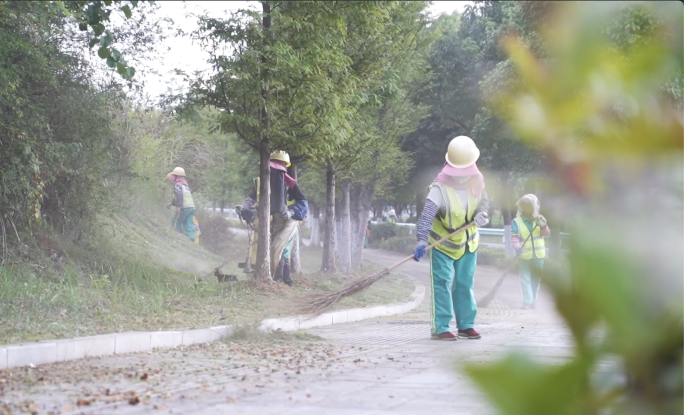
(315, 305)
(484, 301)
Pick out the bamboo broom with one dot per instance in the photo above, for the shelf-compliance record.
(315, 305)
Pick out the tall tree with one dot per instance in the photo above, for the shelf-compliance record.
(279, 85)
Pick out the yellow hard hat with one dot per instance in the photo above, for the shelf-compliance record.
(462, 152)
(281, 156)
(178, 171)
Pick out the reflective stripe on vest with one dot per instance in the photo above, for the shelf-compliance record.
(455, 216)
(187, 197)
(534, 247)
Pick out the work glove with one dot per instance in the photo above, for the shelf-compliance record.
(481, 219)
(288, 214)
(419, 252)
(247, 215)
(518, 251)
(541, 221)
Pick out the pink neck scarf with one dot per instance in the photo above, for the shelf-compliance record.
(289, 181)
(475, 182)
(177, 179)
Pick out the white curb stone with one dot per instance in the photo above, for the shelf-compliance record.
(31, 354)
(166, 339)
(198, 336)
(81, 347)
(17, 355)
(133, 342)
(3, 358)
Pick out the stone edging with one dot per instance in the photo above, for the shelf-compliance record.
(51, 351)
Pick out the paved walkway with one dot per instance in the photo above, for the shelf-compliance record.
(383, 366)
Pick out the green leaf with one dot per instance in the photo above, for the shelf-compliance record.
(520, 386)
(127, 11)
(134, 3)
(103, 52)
(107, 39)
(111, 62)
(130, 72)
(121, 68)
(94, 41)
(98, 28)
(83, 26)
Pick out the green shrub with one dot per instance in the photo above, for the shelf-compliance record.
(491, 256)
(385, 231)
(400, 244)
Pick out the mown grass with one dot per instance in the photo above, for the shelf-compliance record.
(141, 275)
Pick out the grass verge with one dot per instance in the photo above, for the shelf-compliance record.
(141, 275)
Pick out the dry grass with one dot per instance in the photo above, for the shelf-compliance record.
(143, 276)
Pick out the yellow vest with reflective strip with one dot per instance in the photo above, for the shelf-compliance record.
(455, 216)
(535, 244)
(188, 202)
(257, 181)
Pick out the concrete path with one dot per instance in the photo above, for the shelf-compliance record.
(383, 366)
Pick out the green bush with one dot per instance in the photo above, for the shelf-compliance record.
(385, 231)
(401, 244)
(491, 256)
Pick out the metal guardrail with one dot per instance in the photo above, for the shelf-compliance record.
(482, 231)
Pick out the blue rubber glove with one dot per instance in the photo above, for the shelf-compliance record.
(419, 252)
(518, 251)
(247, 215)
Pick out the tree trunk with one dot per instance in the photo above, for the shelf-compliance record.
(295, 263)
(315, 240)
(420, 202)
(366, 201)
(345, 226)
(263, 265)
(328, 261)
(506, 212)
(357, 237)
(379, 210)
(263, 262)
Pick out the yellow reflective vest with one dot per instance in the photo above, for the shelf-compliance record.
(535, 244)
(455, 216)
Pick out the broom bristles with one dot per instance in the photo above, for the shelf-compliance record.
(315, 305)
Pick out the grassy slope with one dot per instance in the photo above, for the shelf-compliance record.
(141, 275)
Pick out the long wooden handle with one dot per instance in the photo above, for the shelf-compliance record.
(429, 247)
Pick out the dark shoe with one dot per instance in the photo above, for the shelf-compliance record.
(447, 335)
(469, 334)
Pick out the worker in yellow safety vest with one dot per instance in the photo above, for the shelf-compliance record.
(455, 197)
(184, 219)
(528, 232)
(288, 208)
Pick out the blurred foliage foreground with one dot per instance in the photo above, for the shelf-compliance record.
(608, 114)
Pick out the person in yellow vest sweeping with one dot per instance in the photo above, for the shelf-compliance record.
(455, 197)
(531, 227)
(183, 202)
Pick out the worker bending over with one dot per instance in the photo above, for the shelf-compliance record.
(288, 208)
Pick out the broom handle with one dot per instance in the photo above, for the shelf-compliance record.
(427, 248)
